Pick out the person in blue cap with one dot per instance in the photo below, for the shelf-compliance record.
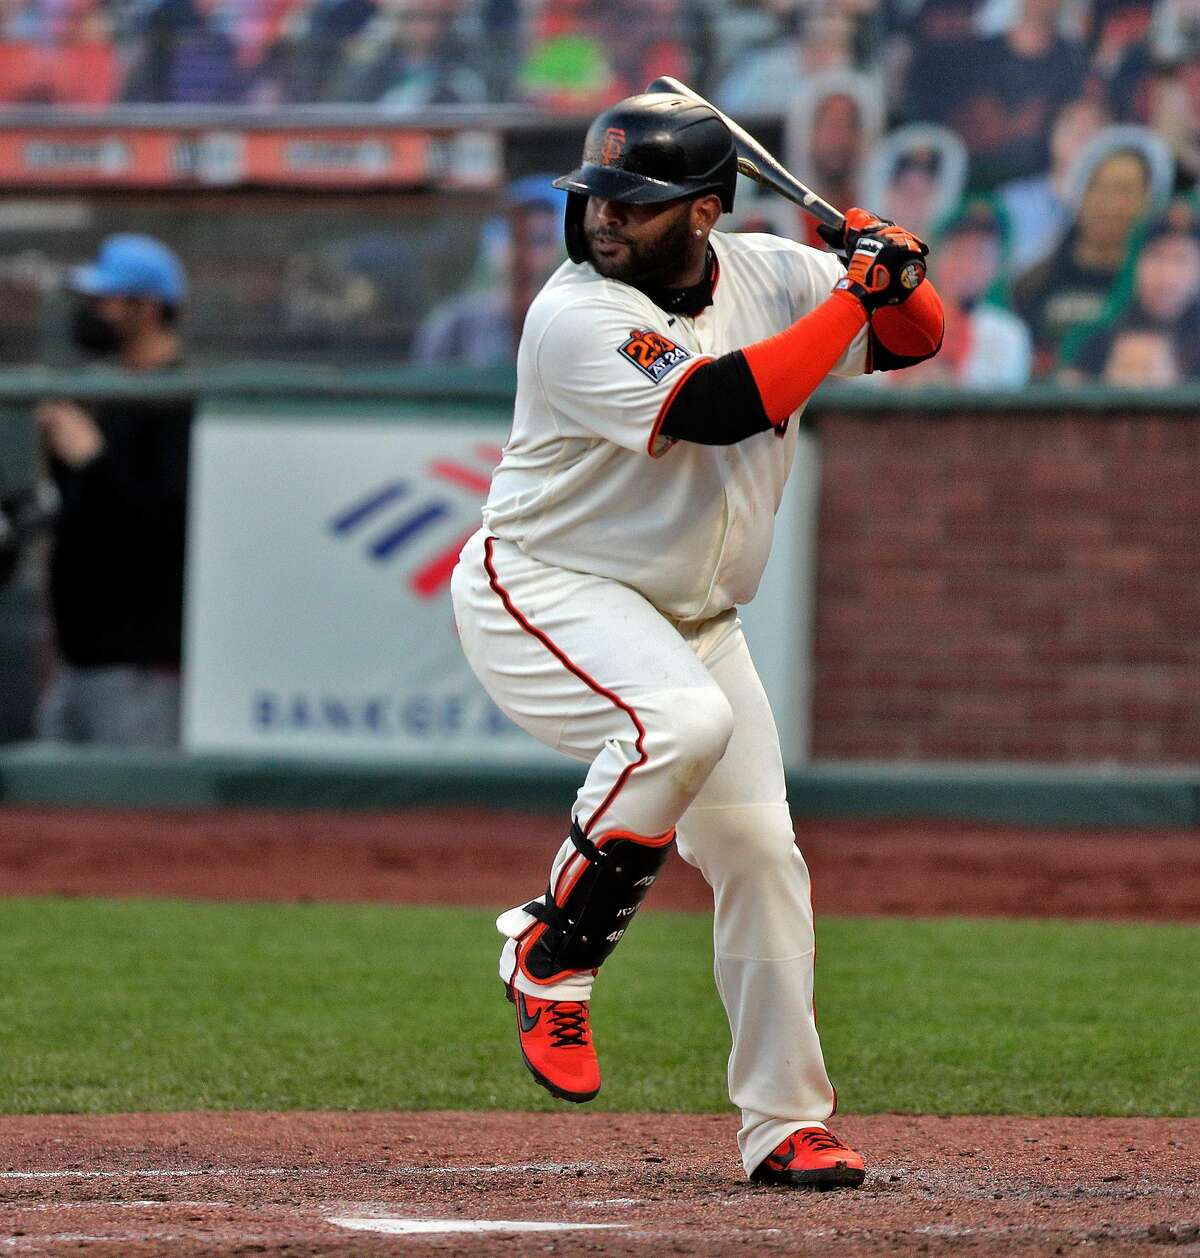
(121, 466)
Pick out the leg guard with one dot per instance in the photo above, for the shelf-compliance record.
(583, 920)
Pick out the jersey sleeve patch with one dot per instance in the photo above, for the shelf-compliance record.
(652, 354)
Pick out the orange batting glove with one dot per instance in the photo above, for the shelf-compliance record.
(844, 240)
(886, 266)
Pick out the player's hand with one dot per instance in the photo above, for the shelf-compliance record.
(844, 240)
(887, 265)
(69, 432)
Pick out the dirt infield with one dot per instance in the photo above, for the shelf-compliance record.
(449, 856)
(371, 1184)
(193, 1184)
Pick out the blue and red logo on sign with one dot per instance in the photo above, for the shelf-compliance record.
(407, 510)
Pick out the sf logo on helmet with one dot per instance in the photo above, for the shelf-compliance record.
(613, 148)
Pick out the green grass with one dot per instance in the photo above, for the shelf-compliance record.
(149, 1005)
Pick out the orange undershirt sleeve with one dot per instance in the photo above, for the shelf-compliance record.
(788, 367)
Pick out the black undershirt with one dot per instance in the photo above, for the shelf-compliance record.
(719, 403)
(689, 301)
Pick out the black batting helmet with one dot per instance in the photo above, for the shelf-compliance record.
(649, 148)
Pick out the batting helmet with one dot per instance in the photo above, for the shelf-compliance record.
(650, 148)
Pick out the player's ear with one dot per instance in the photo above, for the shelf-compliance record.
(704, 213)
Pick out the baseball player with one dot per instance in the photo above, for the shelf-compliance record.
(659, 375)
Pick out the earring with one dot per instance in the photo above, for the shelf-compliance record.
(699, 232)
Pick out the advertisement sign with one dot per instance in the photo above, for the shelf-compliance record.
(319, 619)
(334, 157)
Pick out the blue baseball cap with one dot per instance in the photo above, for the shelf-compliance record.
(129, 265)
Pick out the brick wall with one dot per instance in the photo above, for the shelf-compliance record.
(1000, 588)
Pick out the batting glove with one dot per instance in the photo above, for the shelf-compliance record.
(844, 240)
(886, 266)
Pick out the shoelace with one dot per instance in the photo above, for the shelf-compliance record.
(569, 1029)
(821, 1140)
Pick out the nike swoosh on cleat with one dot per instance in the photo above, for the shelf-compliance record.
(527, 1023)
(782, 1160)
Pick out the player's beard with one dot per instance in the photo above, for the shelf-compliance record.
(661, 262)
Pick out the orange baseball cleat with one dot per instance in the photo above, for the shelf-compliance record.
(811, 1158)
(557, 1045)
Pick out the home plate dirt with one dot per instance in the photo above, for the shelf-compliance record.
(585, 1183)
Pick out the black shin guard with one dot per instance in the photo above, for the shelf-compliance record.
(581, 931)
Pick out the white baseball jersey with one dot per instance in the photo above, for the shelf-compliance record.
(593, 617)
(588, 483)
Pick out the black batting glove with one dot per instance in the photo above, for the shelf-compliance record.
(885, 268)
(844, 240)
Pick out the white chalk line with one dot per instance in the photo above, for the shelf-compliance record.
(1059, 1231)
(157, 1173)
(432, 1227)
(72, 1236)
(49, 1207)
(496, 1168)
(160, 1237)
(162, 1173)
(44, 1238)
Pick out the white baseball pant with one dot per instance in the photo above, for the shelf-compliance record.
(677, 728)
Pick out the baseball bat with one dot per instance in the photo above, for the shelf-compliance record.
(756, 163)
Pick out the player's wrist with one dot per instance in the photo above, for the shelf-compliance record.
(853, 295)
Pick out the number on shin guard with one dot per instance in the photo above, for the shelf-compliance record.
(598, 905)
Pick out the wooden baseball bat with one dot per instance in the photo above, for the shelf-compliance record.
(756, 163)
